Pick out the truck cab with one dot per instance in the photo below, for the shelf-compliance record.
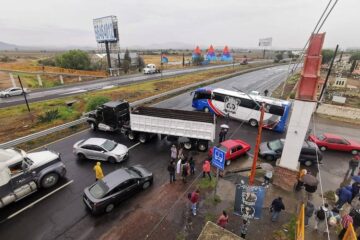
(110, 116)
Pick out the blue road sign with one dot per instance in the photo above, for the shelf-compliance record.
(218, 158)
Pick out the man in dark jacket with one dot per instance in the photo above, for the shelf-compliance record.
(355, 188)
(171, 170)
(276, 206)
(353, 165)
(345, 195)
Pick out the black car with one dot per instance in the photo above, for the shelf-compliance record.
(103, 195)
(308, 156)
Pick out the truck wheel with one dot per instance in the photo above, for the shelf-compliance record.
(202, 146)
(143, 137)
(131, 136)
(93, 126)
(188, 145)
(109, 208)
(253, 122)
(49, 180)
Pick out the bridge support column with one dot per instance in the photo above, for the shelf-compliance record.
(12, 79)
(39, 80)
(61, 80)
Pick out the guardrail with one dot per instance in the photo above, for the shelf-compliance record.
(30, 137)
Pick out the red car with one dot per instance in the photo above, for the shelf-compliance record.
(233, 149)
(334, 142)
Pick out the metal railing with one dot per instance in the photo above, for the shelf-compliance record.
(33, 136)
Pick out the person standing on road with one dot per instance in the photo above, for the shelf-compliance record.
(223, 219)
(353, 165)
(345, 221)
(181, 153)
(98, 171)
(244, 228)
(277, 205)
(321, 215)
(173, 151)
(206, 168)
(194, 199)
(171, 169)
(221, 135)
(185, 171)
(345, 195)
(300, 182)
(192, 165)
(267, 177)
(309, 211)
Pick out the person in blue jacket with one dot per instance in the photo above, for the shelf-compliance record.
(345, 195)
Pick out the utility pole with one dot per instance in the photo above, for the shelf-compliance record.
(24, 94)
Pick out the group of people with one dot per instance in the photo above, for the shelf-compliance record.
(180, 164)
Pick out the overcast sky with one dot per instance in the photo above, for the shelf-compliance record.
(237, 23)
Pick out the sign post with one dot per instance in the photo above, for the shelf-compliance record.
(218, 161)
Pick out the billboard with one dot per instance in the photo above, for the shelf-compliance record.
(106, 29)
(265, 42)
(249, 201)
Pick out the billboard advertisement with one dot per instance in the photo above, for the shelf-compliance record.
(249, 201)
(106, 29)
(265, 42)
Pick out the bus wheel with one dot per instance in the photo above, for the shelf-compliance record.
(253, 122)
(206, 109)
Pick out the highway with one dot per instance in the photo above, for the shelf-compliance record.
(88, 86)
(63, 214)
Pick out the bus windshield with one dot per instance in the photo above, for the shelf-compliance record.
(202, 95)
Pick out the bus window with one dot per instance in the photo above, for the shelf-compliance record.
(202, 95)
(276, 110)
(219, 97)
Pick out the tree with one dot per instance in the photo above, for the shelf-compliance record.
(127, 56)
(73, 59)
(141, 63)
(279, 57)
(126, 66)
(198, 60)
(353, 66)
(327, 55)
(354, 56)
(290, 54)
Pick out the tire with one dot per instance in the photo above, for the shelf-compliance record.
(93, 126)
(131, 136)
(227, 162)
(354, 152)
(188, 145)
(253, 122)
(143, 138)
(109, 207)
(308, 163)
(269, 158)
(7, 95)
(81, 156)
(206, 109)
(323, 148)
(49, 180)
(202, 146)
(112, 160)
(146, 185)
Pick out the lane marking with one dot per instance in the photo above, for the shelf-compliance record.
(134, 145)
(39, 200)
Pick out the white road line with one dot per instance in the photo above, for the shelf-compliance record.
(39, 200)
(134, 145)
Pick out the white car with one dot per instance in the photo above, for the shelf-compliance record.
(101, 149)
(14, 91)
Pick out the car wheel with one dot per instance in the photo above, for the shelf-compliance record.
(7, 95)
(323, 148)
(354, 152)
(269, 158)
(49, 180)
(109, 207)
(253, 122)
(143, 138)
(146, 185)
(202, 146)
(188, 145)
(81, 156)
(228, 162)
(93, 126)
(131, 136)
(206, 109)
(308, 163)
(111, 160)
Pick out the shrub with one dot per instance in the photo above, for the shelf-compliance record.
(73, 59)
(94, 102)
(49, 116)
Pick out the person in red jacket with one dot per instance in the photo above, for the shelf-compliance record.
(223, 219)
(206, 168)
(194, 200)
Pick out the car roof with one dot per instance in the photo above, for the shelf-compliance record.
(116, 177)
(330, 135)
(230, 143)
(94, 141)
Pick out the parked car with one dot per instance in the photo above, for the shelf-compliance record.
(14, 91)
(335, 142)
(103, 195)
(100, 149)
(233, 149)
(308, 156)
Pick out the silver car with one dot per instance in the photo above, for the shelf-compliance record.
(14, 91)
(101, 149)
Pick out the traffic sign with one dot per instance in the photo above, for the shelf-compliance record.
(218, 158)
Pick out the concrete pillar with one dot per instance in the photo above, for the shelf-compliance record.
(61, 80)
(12, 79)
(80, 79)
(39, 80)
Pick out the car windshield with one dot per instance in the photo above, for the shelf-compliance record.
(109, 145)
(321, 137)
(275, 145)
(222, 148)
(134, 172)
(99, 189)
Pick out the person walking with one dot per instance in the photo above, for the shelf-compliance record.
(244, 228)
(181, 153)
(267, 177)
(194, 199)
(300, 182)
(192, 165)
(171, 169)
(222, 134)
(320, 217)
(345, 221)
(276, 206)
(185, 171)
(206, 168)
(173, 151)
(223, 219)
(98, 171)
(353, 165)
(309, 211)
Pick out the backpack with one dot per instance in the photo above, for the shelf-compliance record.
(320, 214)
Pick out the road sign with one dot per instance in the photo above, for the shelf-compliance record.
(218, 158)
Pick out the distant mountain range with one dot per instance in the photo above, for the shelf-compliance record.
(6, 46)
